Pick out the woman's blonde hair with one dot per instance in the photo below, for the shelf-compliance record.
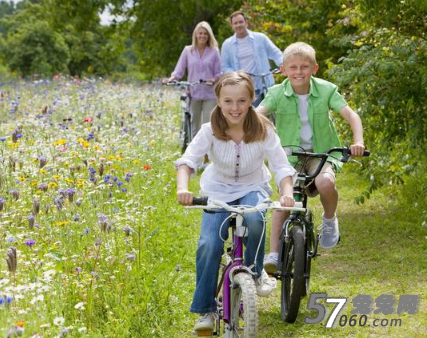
(300, 49)
(212, 43)
(254, 126)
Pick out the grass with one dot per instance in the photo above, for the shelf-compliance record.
(121, 263)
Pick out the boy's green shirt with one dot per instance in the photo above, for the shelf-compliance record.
(323, 97)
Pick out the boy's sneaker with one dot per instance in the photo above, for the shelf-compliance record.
(271, 262)
(330, 233)
(205, 322)
(265, 285)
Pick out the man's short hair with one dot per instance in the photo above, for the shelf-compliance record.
(300, 49)
(238, 13)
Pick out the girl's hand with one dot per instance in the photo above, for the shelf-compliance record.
(287, 201)
(185, 197)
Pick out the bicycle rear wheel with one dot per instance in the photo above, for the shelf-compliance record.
(186, 133)
(243, 308)
(292, 275)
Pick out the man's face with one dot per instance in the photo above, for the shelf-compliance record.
(239, 25)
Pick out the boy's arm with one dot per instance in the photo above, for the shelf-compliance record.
(262, 110)
(357, 148)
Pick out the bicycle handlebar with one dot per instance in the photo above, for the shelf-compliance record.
(188, 84)
(273, 71)
(345, 151)
(211, 204)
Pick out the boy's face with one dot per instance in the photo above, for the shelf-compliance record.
(299, 71)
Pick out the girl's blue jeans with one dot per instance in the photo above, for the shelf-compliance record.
(211, 249)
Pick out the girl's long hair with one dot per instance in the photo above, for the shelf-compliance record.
(255, 125)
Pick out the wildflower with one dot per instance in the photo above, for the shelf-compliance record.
(42, 161)
(60, 142)
(30, 242)
(2, 202)
(59, 321)
(31, 220)
(119, 183)
(78, 270)
(152, 143)
(87, 230)
(36, 207)
(130, 257)
(15, 194)
(127, 230)
(3, 139)
(91, 136)
(58, 203)
(147, 167)
(12, 260)
(43, 187)
(70, 193)
(15, 136)
(124, 190)
(76, 218)
(104, 222)
(11, 239)
(101, 169)
(80, 306)
(88, 119)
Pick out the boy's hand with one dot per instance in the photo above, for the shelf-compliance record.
(287, 201)
(185, 197)
(357, 149)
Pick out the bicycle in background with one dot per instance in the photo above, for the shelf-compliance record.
(186, 132)
(236, 292)
(264, 89)
(298, 240)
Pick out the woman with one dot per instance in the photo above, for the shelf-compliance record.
(203, 62)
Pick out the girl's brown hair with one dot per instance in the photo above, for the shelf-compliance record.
(254, 126)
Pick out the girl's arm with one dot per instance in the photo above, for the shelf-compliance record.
(287, 192)
(185, 197)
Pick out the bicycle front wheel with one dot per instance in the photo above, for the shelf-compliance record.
(292, 275)
(186, 132)
(243, 308)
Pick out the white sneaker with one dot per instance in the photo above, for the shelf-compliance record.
(271, 262)
(205, 322)
(265, 285)
(330, 233)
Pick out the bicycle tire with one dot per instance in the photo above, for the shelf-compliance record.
(186, 132)
(292, 276)
(309, 245)
(244, 290)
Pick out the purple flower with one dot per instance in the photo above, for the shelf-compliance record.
(119, 183)
(42, 161)
(87, 230)
(124, 190)
(30, 242)
(3, 139)
(2, 202)
(42, 186)
(15, 194)
(31, 220)
(76, 218)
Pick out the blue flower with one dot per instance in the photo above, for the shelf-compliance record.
(124, 190)
(3, 139)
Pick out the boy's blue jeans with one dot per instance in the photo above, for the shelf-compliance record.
(211, 248)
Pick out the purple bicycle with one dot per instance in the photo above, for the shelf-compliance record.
(236, 292)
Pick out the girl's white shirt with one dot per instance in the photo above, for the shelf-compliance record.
(236, 169)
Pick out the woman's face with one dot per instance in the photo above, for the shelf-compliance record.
(202, 37)
(234, 101)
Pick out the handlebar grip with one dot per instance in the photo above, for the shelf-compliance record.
(200, 200)
(366, 153)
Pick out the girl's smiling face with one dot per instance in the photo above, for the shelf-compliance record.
(235, 101)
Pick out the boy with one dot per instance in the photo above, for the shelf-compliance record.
(302, 104)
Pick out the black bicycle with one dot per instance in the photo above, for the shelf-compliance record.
(186, 133)
(298, 239)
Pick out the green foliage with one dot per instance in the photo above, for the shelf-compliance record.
(162, 28)
(37, 49)
(385, 76)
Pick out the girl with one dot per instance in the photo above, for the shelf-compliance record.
(202, 61)
(237, 141)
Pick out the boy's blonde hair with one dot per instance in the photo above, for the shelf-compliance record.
(212, 43)
(254, 126)
(300, 49)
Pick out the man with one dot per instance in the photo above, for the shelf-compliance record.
(249, 51)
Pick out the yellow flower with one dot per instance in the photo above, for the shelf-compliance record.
(42, 171)
(60, 142)
(96, 147)
(22, 179)
(52, 184)
(12, 144)
(62, 223)
(68, 180)
(152, 143)
(56, 177)
(20, 323)
(135, 161)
